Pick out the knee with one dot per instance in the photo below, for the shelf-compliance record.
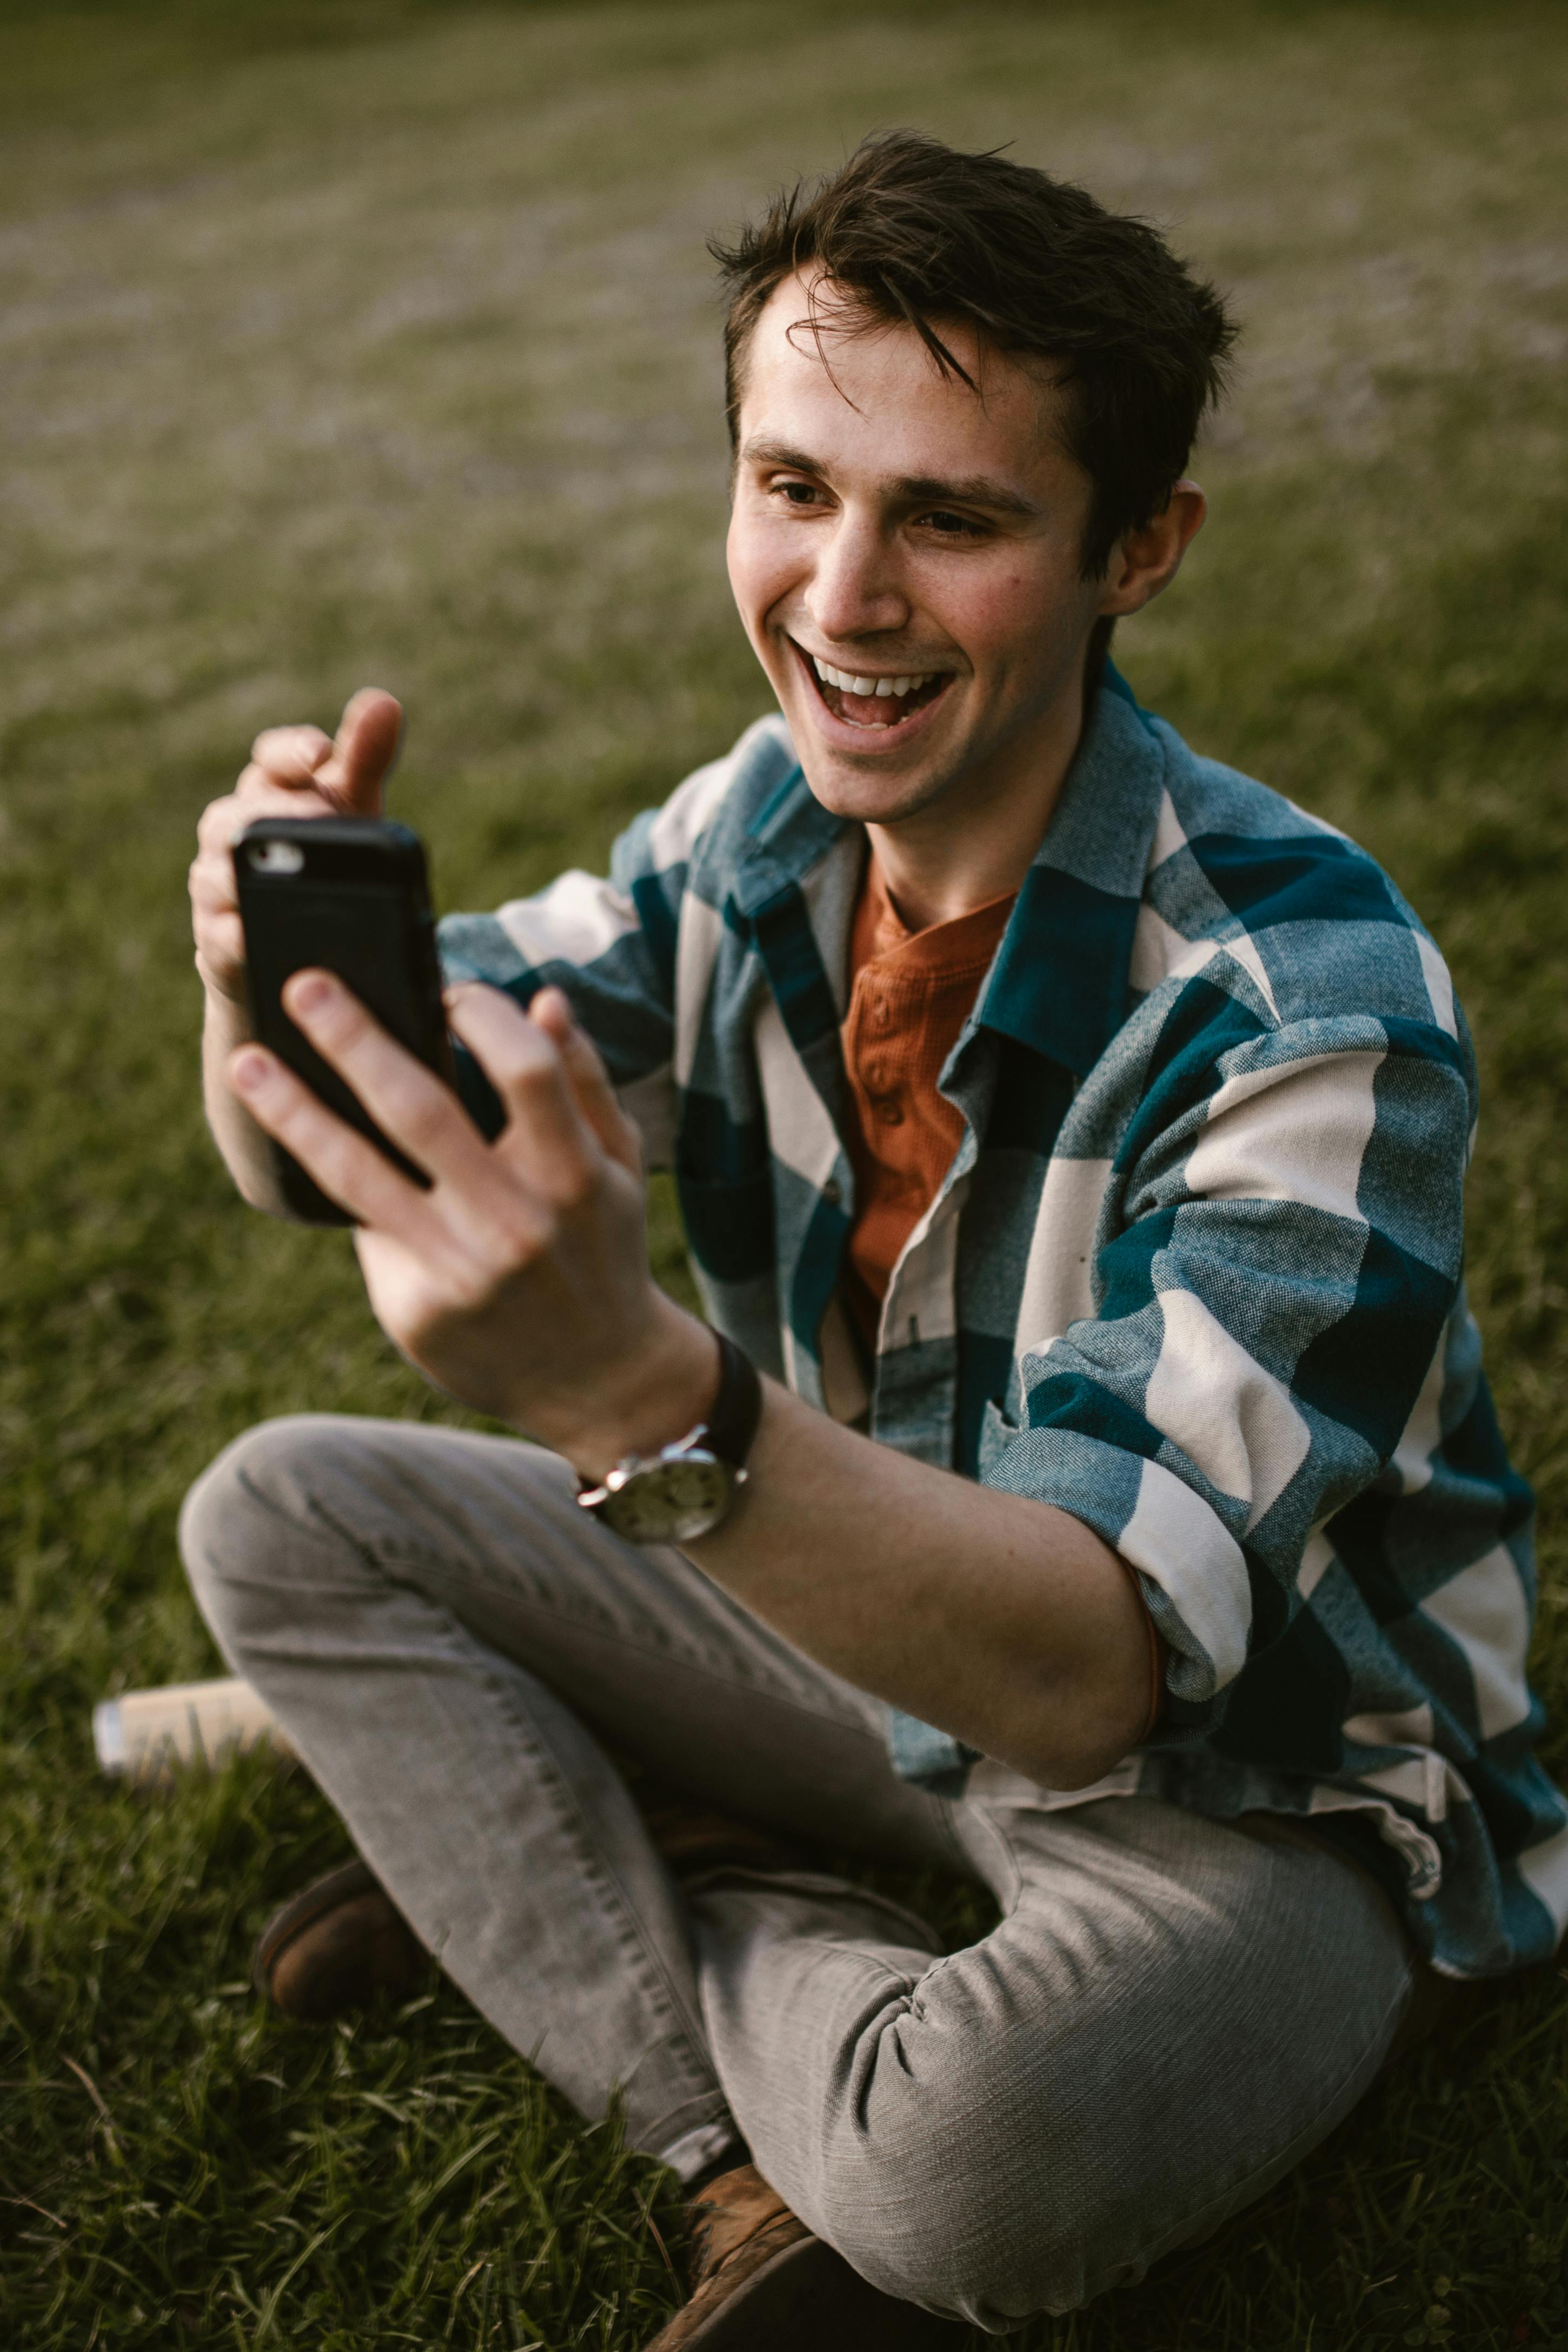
(237, 1521)
(965, 2215)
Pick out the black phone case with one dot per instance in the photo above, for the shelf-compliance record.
(357, 905)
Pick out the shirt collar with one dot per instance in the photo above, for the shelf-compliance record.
(1060, 982)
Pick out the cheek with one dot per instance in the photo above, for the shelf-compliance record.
(995, 615)
(1019, 616)
(764, 574)
(759, 571)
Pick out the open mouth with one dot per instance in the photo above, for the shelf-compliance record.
(870, 699)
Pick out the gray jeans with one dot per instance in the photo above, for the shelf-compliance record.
(1172, 2011)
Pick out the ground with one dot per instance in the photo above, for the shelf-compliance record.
(355, 342)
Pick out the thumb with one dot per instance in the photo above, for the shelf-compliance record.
(363, 752)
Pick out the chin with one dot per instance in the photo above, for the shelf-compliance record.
(875, 783)
(846, 789)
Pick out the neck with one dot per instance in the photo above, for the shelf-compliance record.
(977, 840)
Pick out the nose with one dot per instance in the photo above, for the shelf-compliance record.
(854, 590)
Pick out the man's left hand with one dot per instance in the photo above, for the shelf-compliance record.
(519, 1282)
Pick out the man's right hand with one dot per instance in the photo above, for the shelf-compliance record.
(293, 771)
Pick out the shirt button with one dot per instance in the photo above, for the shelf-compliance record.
(832, 1193)
(875, 1074)
(882, 1013)
(890, 1111)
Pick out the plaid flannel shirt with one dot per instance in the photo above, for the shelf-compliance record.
(1193, 1276)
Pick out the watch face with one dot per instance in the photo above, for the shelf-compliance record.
(673, 1501)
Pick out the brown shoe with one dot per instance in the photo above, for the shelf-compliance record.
(762, 2283)
(343, 1940)
(335, 1945)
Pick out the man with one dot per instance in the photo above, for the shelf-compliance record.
(1072, 1134)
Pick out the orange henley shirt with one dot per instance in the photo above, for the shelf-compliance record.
(911, 993)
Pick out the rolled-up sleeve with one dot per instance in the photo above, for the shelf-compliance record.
(1278, 1256)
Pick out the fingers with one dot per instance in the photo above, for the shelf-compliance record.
(549, 1159)
(256, 794)
(285, 777)
(214, 915)
(291, 755)
(292, 771)
(349, 1169)
(220, 954)
(589, 1079)
(547, 1137)
(369, 734)
(407, 1102)
(220, 941)
(348, 773)
(212, 884)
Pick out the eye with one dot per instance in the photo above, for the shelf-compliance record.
(948, 525)
(798, 494)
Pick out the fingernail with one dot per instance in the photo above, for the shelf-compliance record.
(309, 994)
(247, 1071)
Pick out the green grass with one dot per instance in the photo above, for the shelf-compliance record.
(353, 342)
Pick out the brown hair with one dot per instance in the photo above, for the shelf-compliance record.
(915, 231)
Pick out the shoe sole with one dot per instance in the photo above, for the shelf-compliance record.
(808, 2296)
(338, 1886)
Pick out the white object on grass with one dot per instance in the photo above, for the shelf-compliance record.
(144, 1736)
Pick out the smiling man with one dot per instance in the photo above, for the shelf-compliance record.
(1086, 1481)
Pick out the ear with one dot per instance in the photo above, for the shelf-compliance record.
(1144, 561)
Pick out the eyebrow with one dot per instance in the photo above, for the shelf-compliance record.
(923, 489)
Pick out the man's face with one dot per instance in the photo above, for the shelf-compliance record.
(892, 529)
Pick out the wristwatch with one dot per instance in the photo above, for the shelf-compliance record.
(686, 1489)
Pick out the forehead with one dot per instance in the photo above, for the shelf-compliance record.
(817, 373)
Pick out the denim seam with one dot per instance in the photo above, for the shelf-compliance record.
(396, 1555)
(614, 1912)
(609, 1899)
(389, 1554)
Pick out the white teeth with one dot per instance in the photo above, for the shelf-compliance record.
(847, 682)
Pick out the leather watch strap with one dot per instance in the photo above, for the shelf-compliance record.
(738, 1407)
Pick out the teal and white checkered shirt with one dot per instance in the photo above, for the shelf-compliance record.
(1195, 1274)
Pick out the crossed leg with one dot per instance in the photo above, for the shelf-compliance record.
(1172, 2011)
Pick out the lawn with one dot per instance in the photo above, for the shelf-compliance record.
(348, 341)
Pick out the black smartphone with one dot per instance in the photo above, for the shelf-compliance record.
(348, 894)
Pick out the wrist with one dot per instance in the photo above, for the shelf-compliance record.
(652, 1398)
